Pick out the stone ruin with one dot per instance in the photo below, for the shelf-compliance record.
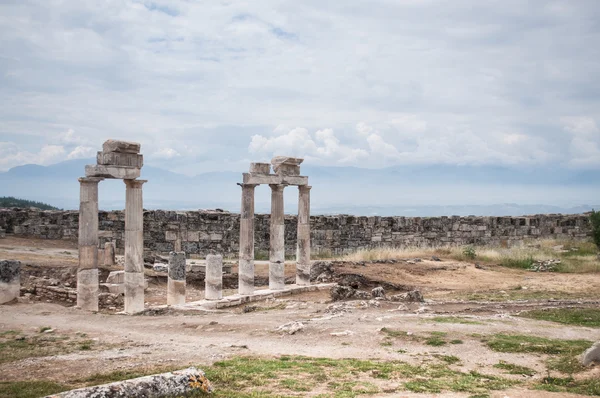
(287, 172)
(118, 160)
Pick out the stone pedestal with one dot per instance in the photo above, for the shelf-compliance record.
(87, 274)
(109, 254)
(10, 280)
(246, 258)
(214, 277)
(134, 247)
(176, 282)
(277, 248)
(303, 247)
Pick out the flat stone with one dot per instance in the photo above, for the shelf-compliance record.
(275, 179)
(117, 172)
(260, 168)
(116, 277)
(121, 146)
(277, 160)
(120, 159)
(286, 166)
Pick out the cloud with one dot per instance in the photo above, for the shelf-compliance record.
(12, 155)
(82, 152)
(476, 84)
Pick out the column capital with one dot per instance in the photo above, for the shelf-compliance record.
(305, 188)
(90, 180)
(252, 186)
(134, 183)
(277, 187)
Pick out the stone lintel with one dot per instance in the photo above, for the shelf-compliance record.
(277, 160)
(116, 172)
(274, 179)
(121, 146)
(120, 159)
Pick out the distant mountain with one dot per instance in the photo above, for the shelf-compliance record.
(399, 190)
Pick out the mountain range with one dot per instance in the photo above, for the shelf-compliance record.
(400, 190)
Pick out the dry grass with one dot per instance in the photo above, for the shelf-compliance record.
(575, 256)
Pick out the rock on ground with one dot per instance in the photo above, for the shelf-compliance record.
(591, 355)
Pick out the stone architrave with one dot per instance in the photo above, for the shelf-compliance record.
(214, 277)
(134, 247)
(176, 282)
(121, 146)
(303, 240)
(277, 247)
(10, 280)
(87, 274)
(116, 172)
(246, 257)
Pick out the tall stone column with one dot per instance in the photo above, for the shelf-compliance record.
(277, 250)
(303, 239)
(87, 274)
(134, 246)
(246, 260)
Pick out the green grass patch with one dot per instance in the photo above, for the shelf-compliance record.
(513, 369)
(564, 353)
(589, 317)
(449, 359)
(568, 384)
(289, 375)
(517, 262)
(455, 319)
(30, 389)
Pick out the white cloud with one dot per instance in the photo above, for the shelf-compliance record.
(166, 153)
(82, 152)
(12, 155)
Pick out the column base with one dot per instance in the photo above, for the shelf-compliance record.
(175, 292)
(87, 289)
(277, 276)
(213, 291)
(246, 277)
(303, 274)
(134, 292)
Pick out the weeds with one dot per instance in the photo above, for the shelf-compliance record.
(589, 317)
(515, 369)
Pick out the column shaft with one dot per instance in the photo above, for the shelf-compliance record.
(246, 258)
(277, 249)
(134, 247)
(87, 274)
(176, 282)
(303, 237)
(213, 289)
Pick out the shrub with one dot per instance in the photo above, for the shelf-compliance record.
(595, 220)
(469, 252)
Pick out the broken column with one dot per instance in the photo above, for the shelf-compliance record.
(109, 254)
(303, 239)
(87, 274)
(277, 248)
(10, 280)
(246, 258)
(214, 277)
(134, 247)
(176, 283)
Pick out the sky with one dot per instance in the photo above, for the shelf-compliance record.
(213, 85)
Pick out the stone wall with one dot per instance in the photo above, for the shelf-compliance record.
(199, 232)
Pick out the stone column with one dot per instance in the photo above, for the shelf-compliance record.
(109, 253)
(277, 248)
(176, 282)
(10, 280)
(134, 247)
(87, 274)
(246, 260)
(213, 281)
(303, 238)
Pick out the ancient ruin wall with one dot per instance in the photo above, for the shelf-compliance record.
(199, 232)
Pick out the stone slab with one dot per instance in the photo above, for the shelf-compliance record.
(260, 168)
(116, 172)
(121, 146)
(120, 159)
(279, 160)
(257, 179)
(116, 277)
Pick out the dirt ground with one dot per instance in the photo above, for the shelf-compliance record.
(177, 339)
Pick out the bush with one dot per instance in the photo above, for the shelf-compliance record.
(595, 220)
(469, 252)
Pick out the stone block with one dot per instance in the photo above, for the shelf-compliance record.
(171, 236)
(288, 170)
(177, 266)
(121, 146)
(120, 159)
(260, 168)
(10, 280)
(116, 277)
(116, 172)
(274, 179)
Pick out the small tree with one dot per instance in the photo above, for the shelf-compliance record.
(595, 220)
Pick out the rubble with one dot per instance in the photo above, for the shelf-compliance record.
(544, 265)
